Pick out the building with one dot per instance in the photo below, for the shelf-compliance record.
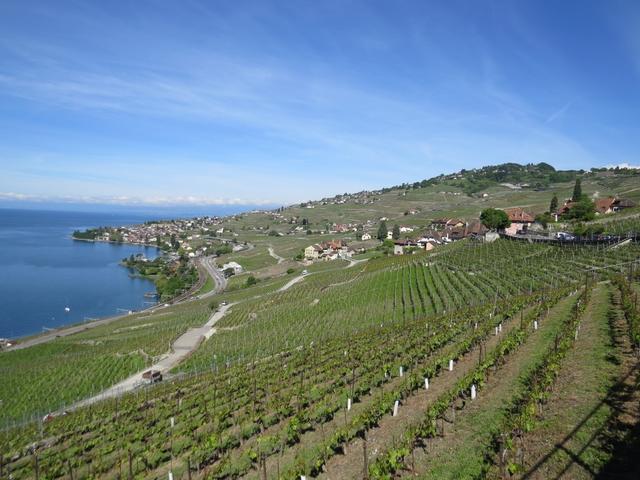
(520, 220)
(604, 205)
(443, 223)
(236, 267)
(366, 236)
(327, 250)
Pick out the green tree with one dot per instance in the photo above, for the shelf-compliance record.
(582, 211)
(544, 219)
(382, 231)
(553, 206)
(395, 234)
(494, 219)
(577, 191)
(251, 280)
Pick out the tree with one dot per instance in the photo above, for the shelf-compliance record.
(494, 219)
(251, 280)
(544, 219)
(395, 234)
(382, 231)
(553, 206)
(577, 191)
(583, 211)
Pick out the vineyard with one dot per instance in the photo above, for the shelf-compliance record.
(378, 370)
(71, 368)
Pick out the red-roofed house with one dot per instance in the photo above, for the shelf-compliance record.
(605, 205)
(520, 220)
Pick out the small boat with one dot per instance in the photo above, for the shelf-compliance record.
(67, 309)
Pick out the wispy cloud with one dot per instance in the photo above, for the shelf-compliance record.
(128, 201)
(558, 113)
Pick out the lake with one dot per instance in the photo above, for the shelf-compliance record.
(42, 271)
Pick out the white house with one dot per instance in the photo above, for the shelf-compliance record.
(366, 236)
(406, 229)
(237, 268)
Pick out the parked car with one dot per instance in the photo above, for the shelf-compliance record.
(564, 236)
(152, 376)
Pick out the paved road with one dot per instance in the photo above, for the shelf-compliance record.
(180, 349)
(221, 282)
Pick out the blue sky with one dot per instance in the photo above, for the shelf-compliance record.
(216, 102)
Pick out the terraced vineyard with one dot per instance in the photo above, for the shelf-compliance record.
(356, 372)
(71, 368)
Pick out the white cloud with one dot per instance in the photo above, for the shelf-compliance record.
(129, 201)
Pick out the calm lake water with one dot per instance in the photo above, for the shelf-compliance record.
(42, 271)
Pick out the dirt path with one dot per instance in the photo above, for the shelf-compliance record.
(461, 453)
(595, 399)
(275, 255)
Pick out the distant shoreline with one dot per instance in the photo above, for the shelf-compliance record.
(94, 240)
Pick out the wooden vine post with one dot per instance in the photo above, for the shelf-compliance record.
(365, 468)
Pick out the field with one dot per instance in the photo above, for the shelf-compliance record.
(327, 379)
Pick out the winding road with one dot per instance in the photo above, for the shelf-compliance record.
(186, 344)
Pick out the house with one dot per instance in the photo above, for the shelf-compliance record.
(442, 223)
(605, 205)
(621, 204)
(520, 220)
(236, 267)
(327, 250)
(406, 229)
(400, 245)
(312, 252)
(427, 243)
(366, 236)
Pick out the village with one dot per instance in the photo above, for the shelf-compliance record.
(446, 230)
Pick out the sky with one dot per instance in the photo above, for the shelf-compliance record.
(154, 103)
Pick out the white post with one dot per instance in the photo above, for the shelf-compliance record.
(426, 383)
(500, 328)
(496, 331)
(473, 392)
(475, 326)
(451, 365)
(395, 408)
(348, 404)
(170, 475)
(535, 324)
(401, 372)
(576, 334)
(173, 422)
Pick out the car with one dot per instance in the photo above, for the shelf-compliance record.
(564, 236)
(304, 272)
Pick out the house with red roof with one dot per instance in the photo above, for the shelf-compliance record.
(520, 220)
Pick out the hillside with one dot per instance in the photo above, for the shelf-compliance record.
(440, 364)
